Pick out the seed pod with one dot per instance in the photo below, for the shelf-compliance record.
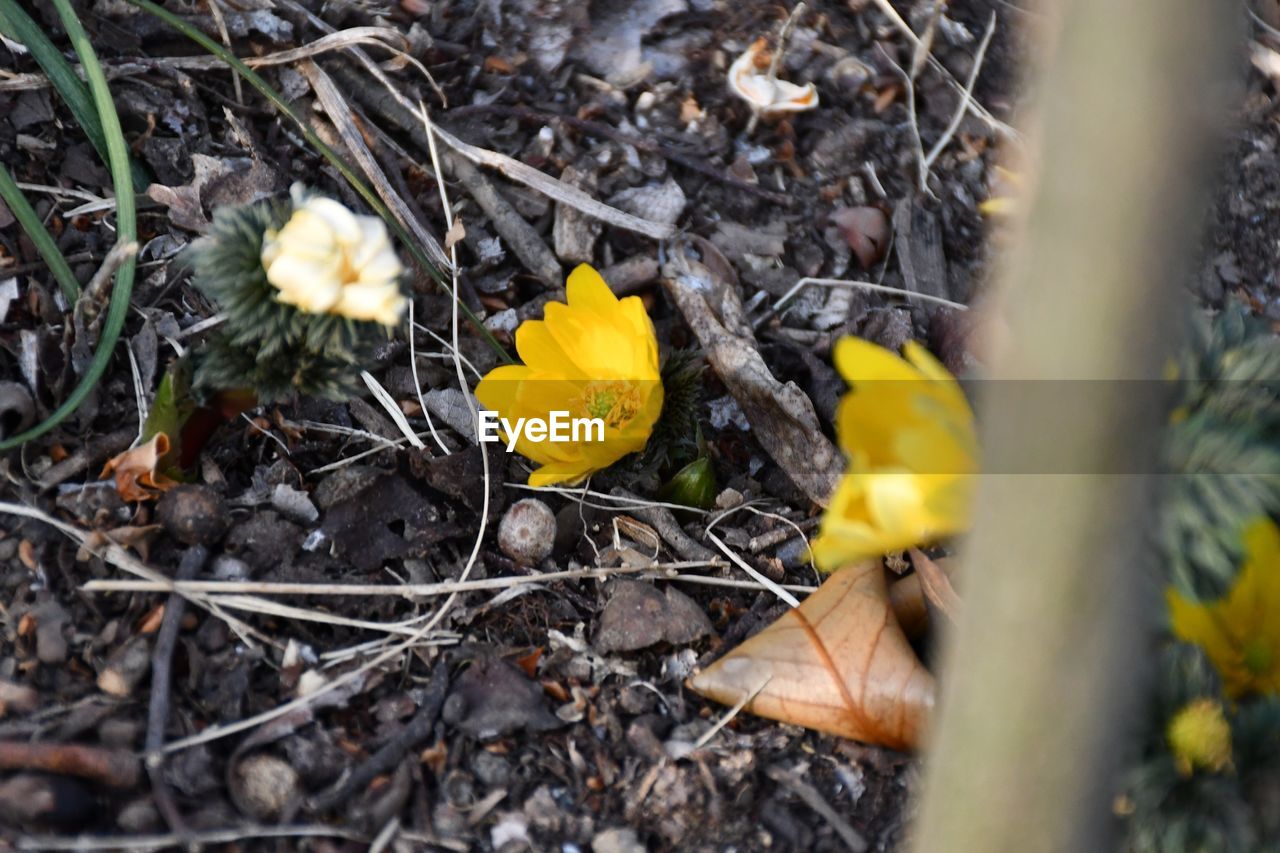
(527, 532)
(193, 514)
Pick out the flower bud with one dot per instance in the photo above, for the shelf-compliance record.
(1200, 737)
(693, 485)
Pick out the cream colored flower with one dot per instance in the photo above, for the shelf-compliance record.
(767, 95)
(328, 260)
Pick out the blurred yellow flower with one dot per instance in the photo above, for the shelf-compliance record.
(1199, 737)
(596, 357)
(1240, 633)
(1007, 186)
(908, 432)
(328, 260)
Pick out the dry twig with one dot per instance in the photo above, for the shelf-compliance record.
(161, 675)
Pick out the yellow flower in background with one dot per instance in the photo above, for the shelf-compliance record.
(1007, 188)
(1240, 633)
(328, 260)
(1199, 737)
(595, 357)
(908, 432)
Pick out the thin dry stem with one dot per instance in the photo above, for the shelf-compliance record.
(965, 99)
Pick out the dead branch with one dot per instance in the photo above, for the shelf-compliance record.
(115, 768)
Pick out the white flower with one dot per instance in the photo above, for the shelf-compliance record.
(328, 260)
(767, 95)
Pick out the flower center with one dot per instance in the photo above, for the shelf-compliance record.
(1258, 657)
(614, 402)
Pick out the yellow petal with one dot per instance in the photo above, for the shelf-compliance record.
(498, 389)
(999, 206)
(586, 289)
(862, 361)
(897, 508)
(305, 284)
(537, 348)
(380, 303)
(559, 473)
(342, 223)
(307, 236)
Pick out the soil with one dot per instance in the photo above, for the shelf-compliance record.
(511, 729)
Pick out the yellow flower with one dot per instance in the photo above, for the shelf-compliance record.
(328, 260)
(1199, 737)
(596, 357)
(1240, 633)
(908, 432)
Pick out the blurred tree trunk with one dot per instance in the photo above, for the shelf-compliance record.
(1040, 670)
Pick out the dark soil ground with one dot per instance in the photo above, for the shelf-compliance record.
(517, 726)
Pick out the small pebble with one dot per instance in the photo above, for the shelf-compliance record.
(492, 770)
(139, 816)
(294, 504)
(729, 498)
(126, 668)
(51, 643)
(622, 840)
(193, 514)
(228, 568)
(262, 785)
(793, 553)
(527, 532)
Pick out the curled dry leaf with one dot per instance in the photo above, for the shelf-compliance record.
(910, 600)
(456, 232)
(936, 585)
(135, 470)
(749, 79)
(137, 537)
(866, 230)
(838, 663)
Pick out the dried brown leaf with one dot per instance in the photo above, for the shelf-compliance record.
(838, 663)
(937, 586)
(135, 470)
(456, 232)
(866, 230)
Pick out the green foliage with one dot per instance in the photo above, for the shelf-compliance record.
(1175, 813)
(371, 198)
(675, 435)
(694, 485)
(1222, 450)
(273, 348)
(169, 412)
(126, 226)
(44, 243)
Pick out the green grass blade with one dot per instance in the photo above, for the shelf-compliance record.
(30, 222)
(18, 25)
(126, 225)
(370, 197)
